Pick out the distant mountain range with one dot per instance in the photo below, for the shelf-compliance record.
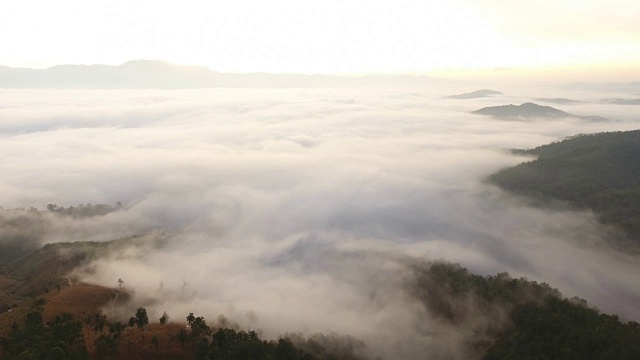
(529, 111)
(475, 94)
(631, 87)
(619, 101)
(613, 101)
(563, 101)
(163, 75)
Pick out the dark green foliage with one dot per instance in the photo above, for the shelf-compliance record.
(164, 318)
(22, 233)
(141, 319)
(598, 171)
(561, 330)
(107, 344)
(331, 346)
(229, 344)
(198, 325)
(540, 323)
(445, 289)
(106, 347)
(116, 328)
(99, 321)
(83, 210)
(60, 338)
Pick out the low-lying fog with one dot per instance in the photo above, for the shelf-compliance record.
(293, 210)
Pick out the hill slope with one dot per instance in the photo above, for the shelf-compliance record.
(529, 111)
(540, 324)
(598, 171)
(475, 94)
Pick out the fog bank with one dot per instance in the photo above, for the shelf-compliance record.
(296, 210)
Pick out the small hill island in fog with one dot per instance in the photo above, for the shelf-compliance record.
(529, 110)
(619, 101)
(475, 94)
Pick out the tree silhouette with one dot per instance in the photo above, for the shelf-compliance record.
(164, 318)
(141, 318)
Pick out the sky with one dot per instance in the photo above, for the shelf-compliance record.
(349, 37)
(294, 210)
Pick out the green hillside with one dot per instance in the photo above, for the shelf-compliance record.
(540, 323)
(596, 171)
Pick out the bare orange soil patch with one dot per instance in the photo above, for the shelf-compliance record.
(80, 300)
(138, 343)
(135, 343)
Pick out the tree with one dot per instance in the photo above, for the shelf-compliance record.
(141, 318)
(60, 338)
(116, 328)
(164, 318)
(106, 347)
(99, 322)
(198, 326)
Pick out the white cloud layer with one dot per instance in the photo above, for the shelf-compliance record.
(292, 210)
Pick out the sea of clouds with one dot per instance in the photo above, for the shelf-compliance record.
(294, 210)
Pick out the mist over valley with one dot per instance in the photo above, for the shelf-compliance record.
(308, 210)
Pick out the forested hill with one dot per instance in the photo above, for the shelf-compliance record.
(529, 111)
(539, 324)
(596, 171)
(499, 317)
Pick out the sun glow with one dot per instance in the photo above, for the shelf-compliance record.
(318, 37)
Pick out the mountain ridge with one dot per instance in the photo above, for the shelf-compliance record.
(157, 74)
(529, 111)
(475, 94)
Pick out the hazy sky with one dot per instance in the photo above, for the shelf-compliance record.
(326, 36)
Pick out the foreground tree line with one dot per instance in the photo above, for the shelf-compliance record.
(63, 338)
(525, 320)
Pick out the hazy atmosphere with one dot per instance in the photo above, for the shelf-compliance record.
(295, 210)
(568, 39)
(287, 167)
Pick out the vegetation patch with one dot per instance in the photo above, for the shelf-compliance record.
(600, 172)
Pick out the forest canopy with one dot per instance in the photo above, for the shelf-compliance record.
(596, 171)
